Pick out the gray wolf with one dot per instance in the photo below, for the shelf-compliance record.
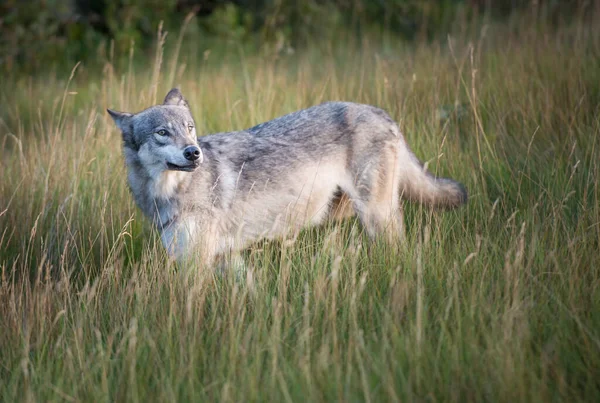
(212, 196)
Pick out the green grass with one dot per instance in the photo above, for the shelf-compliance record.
(497, 301)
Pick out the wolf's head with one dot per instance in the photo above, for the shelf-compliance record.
(162, 137)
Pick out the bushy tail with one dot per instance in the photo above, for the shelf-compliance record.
(418, 184)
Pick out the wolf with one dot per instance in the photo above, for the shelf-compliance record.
(212, 196)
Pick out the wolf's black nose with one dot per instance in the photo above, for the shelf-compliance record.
(191, 153)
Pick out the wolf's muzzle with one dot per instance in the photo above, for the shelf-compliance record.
(191, 153)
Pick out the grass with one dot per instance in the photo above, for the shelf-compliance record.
(498, 301)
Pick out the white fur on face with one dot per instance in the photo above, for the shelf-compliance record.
(151, 161)
(155, 162)
(172, 154)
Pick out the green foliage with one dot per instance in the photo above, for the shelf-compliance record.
(137, 21)
(37, 34)
(29, 31)
(228, 22)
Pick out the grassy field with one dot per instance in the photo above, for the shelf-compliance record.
(497, 301)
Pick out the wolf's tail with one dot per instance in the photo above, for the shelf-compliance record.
(418, 184)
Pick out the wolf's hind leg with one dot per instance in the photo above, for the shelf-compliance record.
(376, 199)
(381, 219)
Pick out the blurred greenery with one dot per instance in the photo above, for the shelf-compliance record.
(36, 34)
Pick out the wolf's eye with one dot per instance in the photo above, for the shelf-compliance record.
(162, 132)
(190, 127)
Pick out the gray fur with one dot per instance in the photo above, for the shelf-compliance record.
(325, 162)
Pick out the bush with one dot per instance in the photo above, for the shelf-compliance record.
(36, 33)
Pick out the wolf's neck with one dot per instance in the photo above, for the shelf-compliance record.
(159, 195)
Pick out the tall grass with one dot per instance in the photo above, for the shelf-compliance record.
(497, 301)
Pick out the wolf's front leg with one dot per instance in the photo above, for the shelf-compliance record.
(232, 263)
(197, 263)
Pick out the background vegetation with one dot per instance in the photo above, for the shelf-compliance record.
(497, 301)
(38, 33)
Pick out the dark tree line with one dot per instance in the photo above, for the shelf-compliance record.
(35, 31)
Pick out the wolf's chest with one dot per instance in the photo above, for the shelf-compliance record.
(180, 236)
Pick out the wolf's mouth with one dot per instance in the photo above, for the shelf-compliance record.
(186, 168)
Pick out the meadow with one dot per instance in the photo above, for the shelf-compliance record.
(496, 301)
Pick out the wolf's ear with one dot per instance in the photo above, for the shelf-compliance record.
(122, 120)
(175, 97)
